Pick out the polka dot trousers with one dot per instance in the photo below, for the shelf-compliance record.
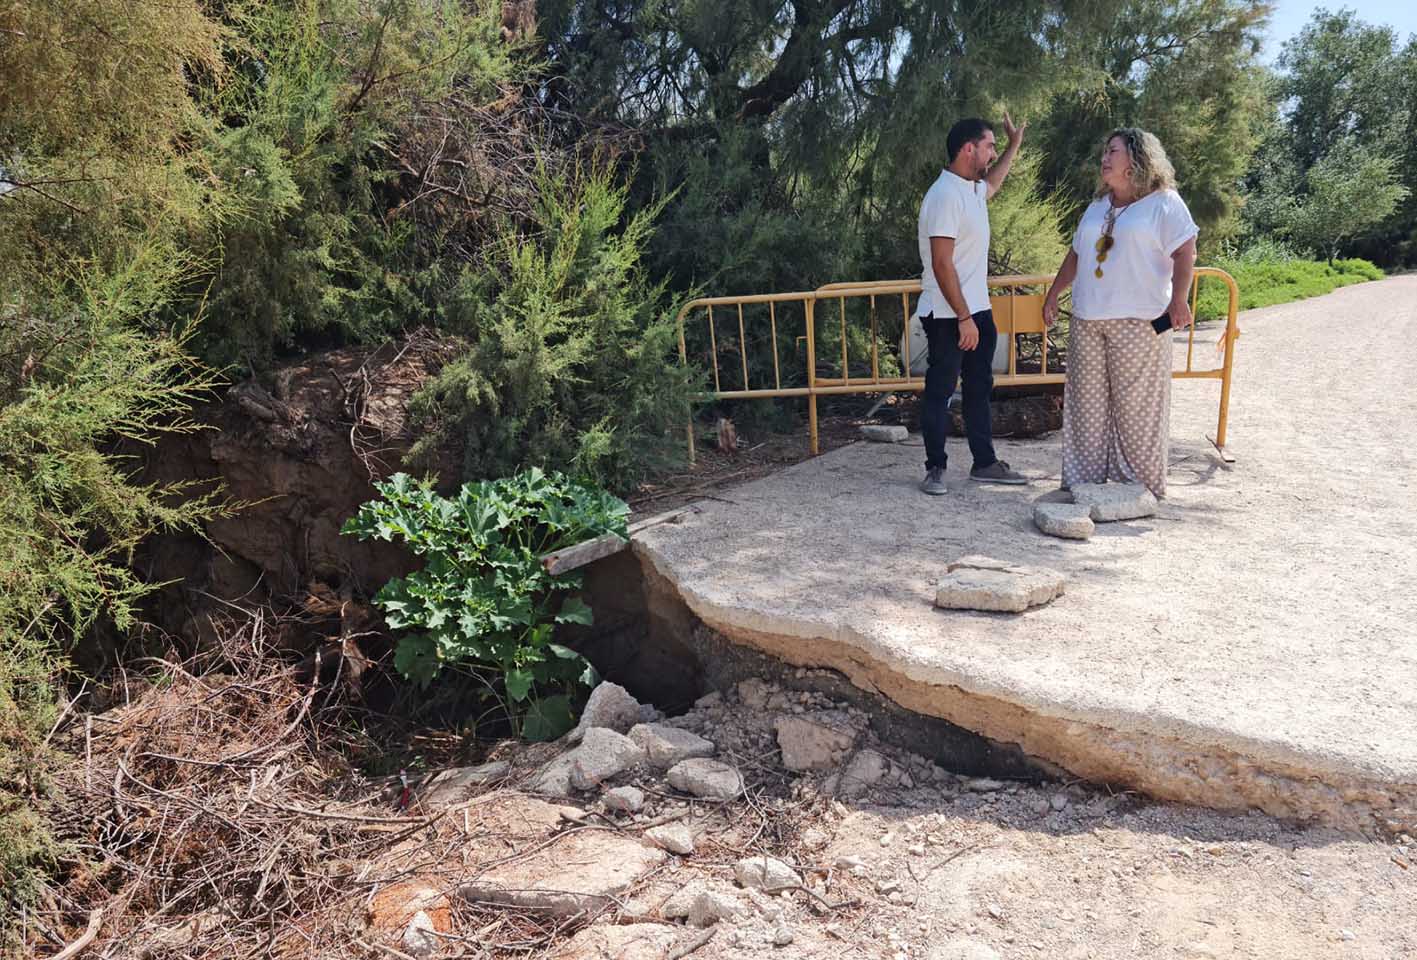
(1117, 404)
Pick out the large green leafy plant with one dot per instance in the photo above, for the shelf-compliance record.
(484, 600)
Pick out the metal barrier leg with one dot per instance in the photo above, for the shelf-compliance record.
(815, 444)
(1232, 332)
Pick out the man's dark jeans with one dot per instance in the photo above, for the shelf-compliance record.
(948, 363)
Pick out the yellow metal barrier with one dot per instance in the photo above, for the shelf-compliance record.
(1015, 313)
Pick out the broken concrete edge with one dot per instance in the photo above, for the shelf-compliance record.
(1244, 773)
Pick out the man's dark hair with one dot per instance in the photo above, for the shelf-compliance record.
(968, 130)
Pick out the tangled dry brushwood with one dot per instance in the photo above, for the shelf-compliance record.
(216, 809)
(200, 819)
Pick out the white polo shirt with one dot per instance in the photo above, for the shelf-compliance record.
(1136, 276)
(955, 207)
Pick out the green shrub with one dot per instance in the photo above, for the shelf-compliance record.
(1266, 283)
(573, 359)
(483, 598)
(78, 375)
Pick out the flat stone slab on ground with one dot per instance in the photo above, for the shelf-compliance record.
(579, 871)
(1115, 501)
(883, 433)
(996, 586)
(1071, 521)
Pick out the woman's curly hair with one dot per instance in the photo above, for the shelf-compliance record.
(1151, 170)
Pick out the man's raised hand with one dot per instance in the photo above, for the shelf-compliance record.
(1014, 133)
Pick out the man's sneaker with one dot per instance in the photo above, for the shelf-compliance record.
(934, 482)
(996, 472)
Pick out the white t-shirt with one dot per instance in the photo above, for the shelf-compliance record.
(1136, 276)
(955, 207)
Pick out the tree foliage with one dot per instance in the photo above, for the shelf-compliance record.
(1350, 192)
(1343, 88)
(570, 344)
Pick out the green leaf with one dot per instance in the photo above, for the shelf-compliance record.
(416, 658)
(590, 677)
(548, 718)
(565, 653)
(574, 610)
(518, 683)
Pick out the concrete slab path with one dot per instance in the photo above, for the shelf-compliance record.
(1254, 644)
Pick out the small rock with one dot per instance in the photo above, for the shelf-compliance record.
(1040, 806)
(765, 873)
(709, 907)
(625, 799)
(994, 911)
(916, 849)
(674, 837)
(665, 745)
(610, 706)
(887, 839)
(706, 778)
(981, 583)
(887, 886)
(1059, 802)
(864, 771)
(983, 785)
(571, 814)
(1072, 521)
(814, 743)
(1347, 936)
(711, 699)
(781, 935)
(753, 693)
(853, 865)
(1115, 501)
(882, 433)
(419, 939)
(603, 754)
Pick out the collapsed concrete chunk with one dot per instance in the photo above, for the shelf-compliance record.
(603, 754)
(674, 837)
(610, 706)
(865, 770)
(1107, 502)
(996, 586)
(765, 873)
(814, 742)
(665, 745)
(1072, 521)
(625, 799)
(709, 908)
(705, 778)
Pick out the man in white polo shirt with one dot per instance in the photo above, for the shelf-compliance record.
(954, 299)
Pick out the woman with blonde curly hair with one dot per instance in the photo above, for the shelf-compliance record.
(1130, 267)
